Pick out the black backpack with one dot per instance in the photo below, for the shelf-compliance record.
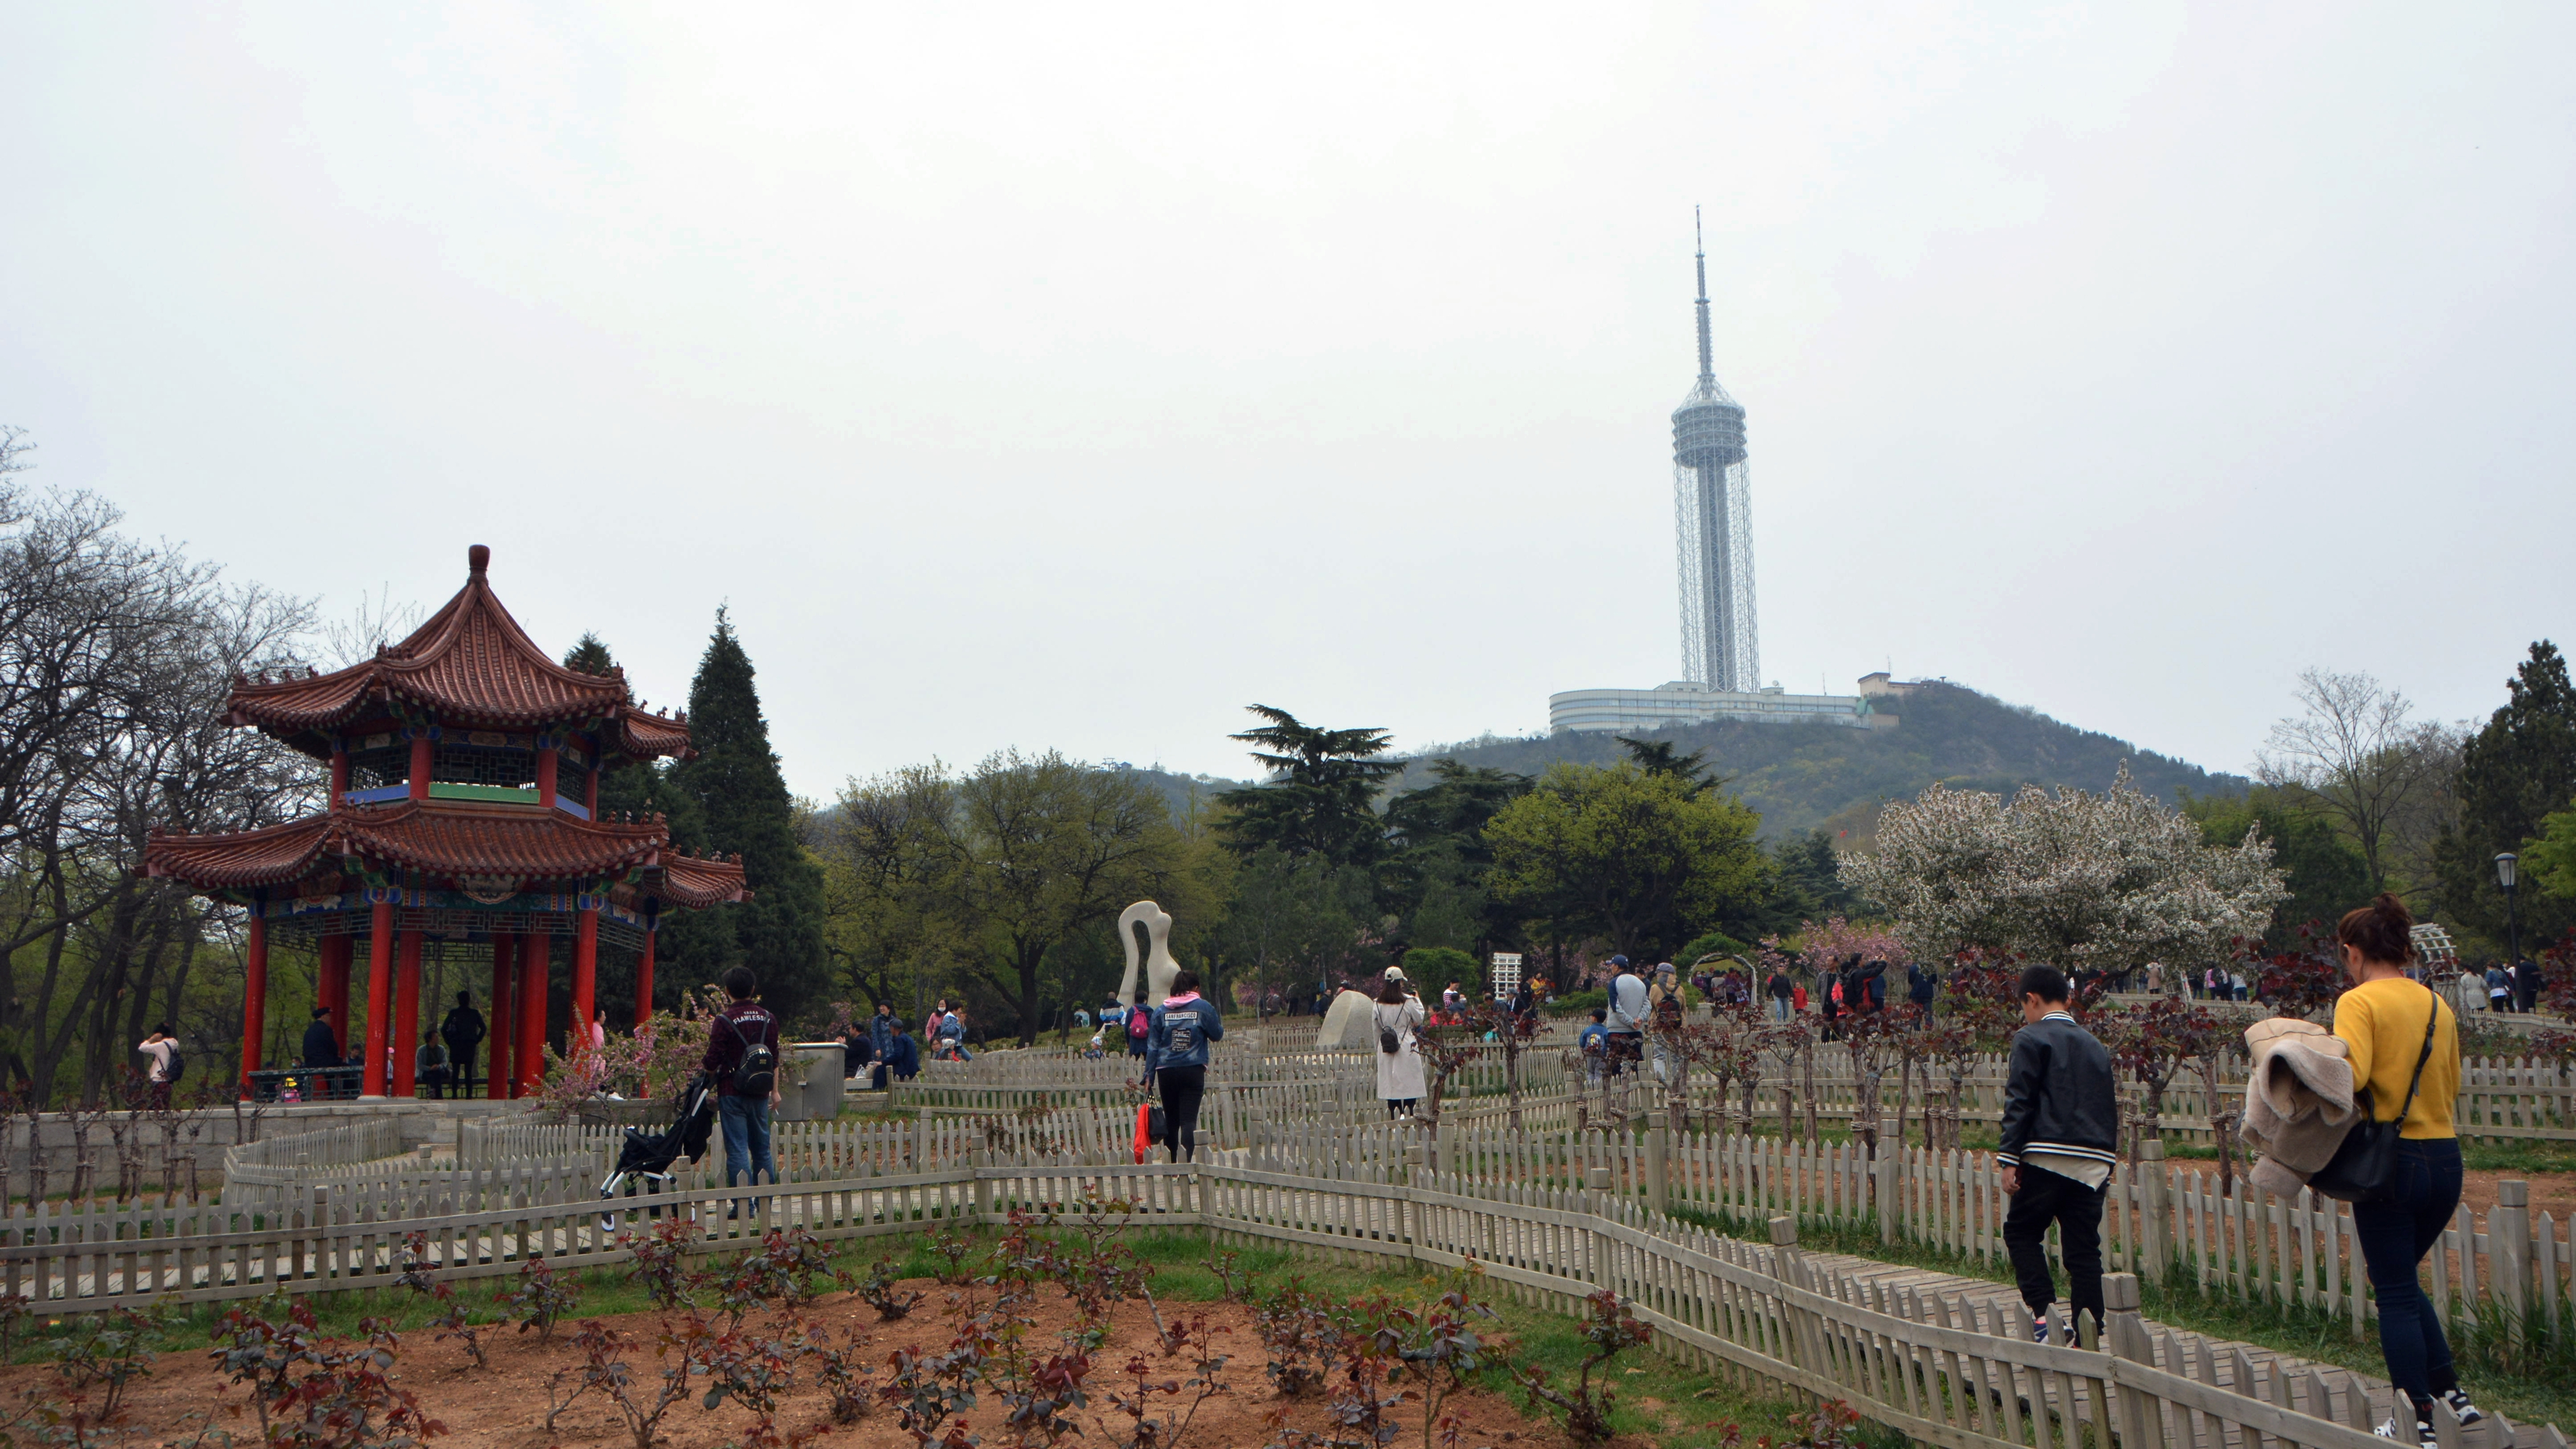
(178, 1065)
(756, 1075)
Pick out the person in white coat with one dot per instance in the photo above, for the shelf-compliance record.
(1399, 1065)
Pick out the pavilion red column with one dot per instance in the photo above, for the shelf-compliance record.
(546, 771)
(339, 769)
(407, 1018)
(421, 757)
(333, 989)
(585, 978)
(530, 1053)
(380, 990)
(644, 977)
(590, 791)
(254, 996)
(503, 949)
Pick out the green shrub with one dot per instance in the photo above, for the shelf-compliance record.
(1715, 943)
(1432, 967)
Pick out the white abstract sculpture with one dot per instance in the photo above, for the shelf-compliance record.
(1350, 1023)
(1160, 968)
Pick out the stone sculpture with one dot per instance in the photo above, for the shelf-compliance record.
(1159, 966)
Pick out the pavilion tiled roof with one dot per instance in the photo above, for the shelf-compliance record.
(473, 667)
(449, 838)
(698, 882)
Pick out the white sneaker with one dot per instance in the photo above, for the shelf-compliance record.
(2466, 1412)
(2388, 1430)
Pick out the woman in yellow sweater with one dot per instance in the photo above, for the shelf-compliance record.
(2383, 1020)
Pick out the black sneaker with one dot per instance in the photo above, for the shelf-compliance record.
(2466, 1412)
(2039, 1329)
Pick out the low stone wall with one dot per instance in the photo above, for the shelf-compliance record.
(159, 1143)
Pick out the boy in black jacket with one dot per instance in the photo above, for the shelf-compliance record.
(2060, 1128)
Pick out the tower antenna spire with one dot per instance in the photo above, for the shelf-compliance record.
(1711, 516)
(1699, 256)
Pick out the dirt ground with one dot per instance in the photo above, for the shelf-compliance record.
(2553, 1193)
(505, 1406)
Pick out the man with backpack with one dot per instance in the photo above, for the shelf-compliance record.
(742, 1056)
(162, 1046)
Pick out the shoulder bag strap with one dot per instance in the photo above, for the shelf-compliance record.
(2432, 1019)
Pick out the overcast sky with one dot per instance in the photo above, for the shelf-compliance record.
(1076, 376)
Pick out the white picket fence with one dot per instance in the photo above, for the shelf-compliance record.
(1953, 1371)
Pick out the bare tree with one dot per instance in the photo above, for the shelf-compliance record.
(373, 623)
(116, 657)
(2363, 759)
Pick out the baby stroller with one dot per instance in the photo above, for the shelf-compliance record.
(644, 1163)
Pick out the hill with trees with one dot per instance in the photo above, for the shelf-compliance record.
(1830, 777)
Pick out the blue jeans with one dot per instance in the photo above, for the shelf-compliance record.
(2395, 1235)
(746, 1140)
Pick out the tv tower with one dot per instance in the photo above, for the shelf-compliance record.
(1712, 510)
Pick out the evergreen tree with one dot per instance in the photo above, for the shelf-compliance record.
(643, 791)
(741, 806)
(1325, 801)
(1663, 757)
(2513, 774)
(1435, 879)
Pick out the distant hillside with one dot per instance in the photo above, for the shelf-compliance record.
(1806, 776)
(1179, 791)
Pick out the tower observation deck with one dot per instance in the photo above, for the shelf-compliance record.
(1712, 516)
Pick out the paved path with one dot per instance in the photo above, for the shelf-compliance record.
(2306, 1385)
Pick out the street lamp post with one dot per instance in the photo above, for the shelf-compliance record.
(2506, 866)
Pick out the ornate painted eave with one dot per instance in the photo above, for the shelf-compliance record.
(484, 847)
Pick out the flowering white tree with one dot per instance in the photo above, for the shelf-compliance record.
(2081, 881)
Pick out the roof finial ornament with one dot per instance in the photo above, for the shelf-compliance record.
(477, 559)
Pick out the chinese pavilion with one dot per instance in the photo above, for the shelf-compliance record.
(463, 821)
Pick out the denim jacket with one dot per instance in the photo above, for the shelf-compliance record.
(1158, 1036)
